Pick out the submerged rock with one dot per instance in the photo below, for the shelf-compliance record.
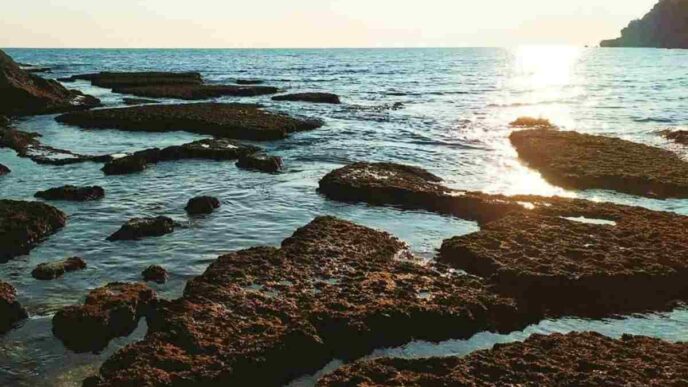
(112, 80)
(202, 205)
(195, 92)
(108, 312)
(4, 170)
(677, 136)
(72, 193)
(309, 97)
(52, 270)
(582, 161)
(249, 82)
(23, 225)
(155, 274)
(575, 359)
(23, 93)
(665, 26)
(210, 149)
(138, 228)
(333, 290)
(11, 311)
(27, 145)
(217, 119)
(138, 101)
(260, 162)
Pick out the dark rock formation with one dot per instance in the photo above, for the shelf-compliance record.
(333, 290)
(113, 80)
(108, 312)
(4, 121)
(51, 270)
(532, 123)
(138, 228)
(155, 274)
(309, 97)
(677, 136)
(260, 162)
(138, 101)
(23, 93)
(27, 145)
(4, 170)
(665, 26)
(221, 120)
(23, 225)
(575, 359)
(581, 161)
(72, 193)
(195, 92)
(11, 310)
(202, 205)
(211, 149)
(249, 82)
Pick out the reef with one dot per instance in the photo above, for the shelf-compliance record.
(259, 161)
(139, 228)
(202, 205)
(112, 80)
(195, 92)
(52, 270)
(237, 121)
(155, 273)
(11, 311)
(72, 193)
(309, 97)
(23, 225)
(23, 93)
(581, 161)
(332, 290)
(665, 26)
(111, 311)
(574, 359)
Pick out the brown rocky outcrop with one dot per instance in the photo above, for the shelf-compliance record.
(155, 273)
(138, 228)
(677, 136)
(309, 97)
(575, 359)
(23, 93)
(582, 161)
(259, 161)
(195, 92)
(111, 311)
(23, 225)
(237, 121)
(11, 311)
(52, 270)
(72, 193)
(202, 205)
(665, 26)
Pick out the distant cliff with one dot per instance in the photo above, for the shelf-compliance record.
(665, 26)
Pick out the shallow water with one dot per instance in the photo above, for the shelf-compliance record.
(457, 106)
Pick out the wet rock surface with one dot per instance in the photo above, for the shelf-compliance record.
(575, 359)
(72, 193)
(138, 101)
(138, 228)
(4, 170)
(202, 205)
(11, 311)
(221, 120)
(52, 270)
(677, 136)
(28, 145)
(108, 312)
(249, 82)
(112, 80)
(196, 92)
(23, 93)
(581, 161)
(260, 162)
(155, 273)
(210, 149)
(23, 225)
(333, 289)
(309, 97)
(665, 26)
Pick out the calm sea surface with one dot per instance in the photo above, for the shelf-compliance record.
(457, 106)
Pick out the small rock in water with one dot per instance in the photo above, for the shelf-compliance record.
(72, 193)
(52, 270)
(23, 225)
(202, 205)
(678, 136)
(138, 228)
(260, 162)
(11, 311)
(4, 170)
(309, 97)
(138, 101)
(249, 82)
(155, 273)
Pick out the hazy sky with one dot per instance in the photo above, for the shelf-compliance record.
(312, 23)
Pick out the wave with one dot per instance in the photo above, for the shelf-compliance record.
(654, 119)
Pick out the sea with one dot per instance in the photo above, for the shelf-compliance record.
(452, 114)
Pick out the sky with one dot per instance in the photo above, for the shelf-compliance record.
(312, 23)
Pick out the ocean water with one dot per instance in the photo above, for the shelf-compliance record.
(457, 104)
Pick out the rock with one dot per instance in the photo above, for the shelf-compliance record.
(249, 82)
(333, 290)
(678, 136)
(108, 312)
(23, 225)
(210, 149)
(23, 93)
(11, 311)
(52, 270)
(665, 26)
(260, 162)
(112, 80)
(138, 228)
(309, 97)
(532, 123)
(155, 273)
(27, 145)
(574, 359)
(221, 120)
(202, 205)
(195, 92)
(581, 161)
(138, 101)
(4, 170)
(70, 192)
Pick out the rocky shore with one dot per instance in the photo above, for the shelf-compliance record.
(665, 26)
(23, 225)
